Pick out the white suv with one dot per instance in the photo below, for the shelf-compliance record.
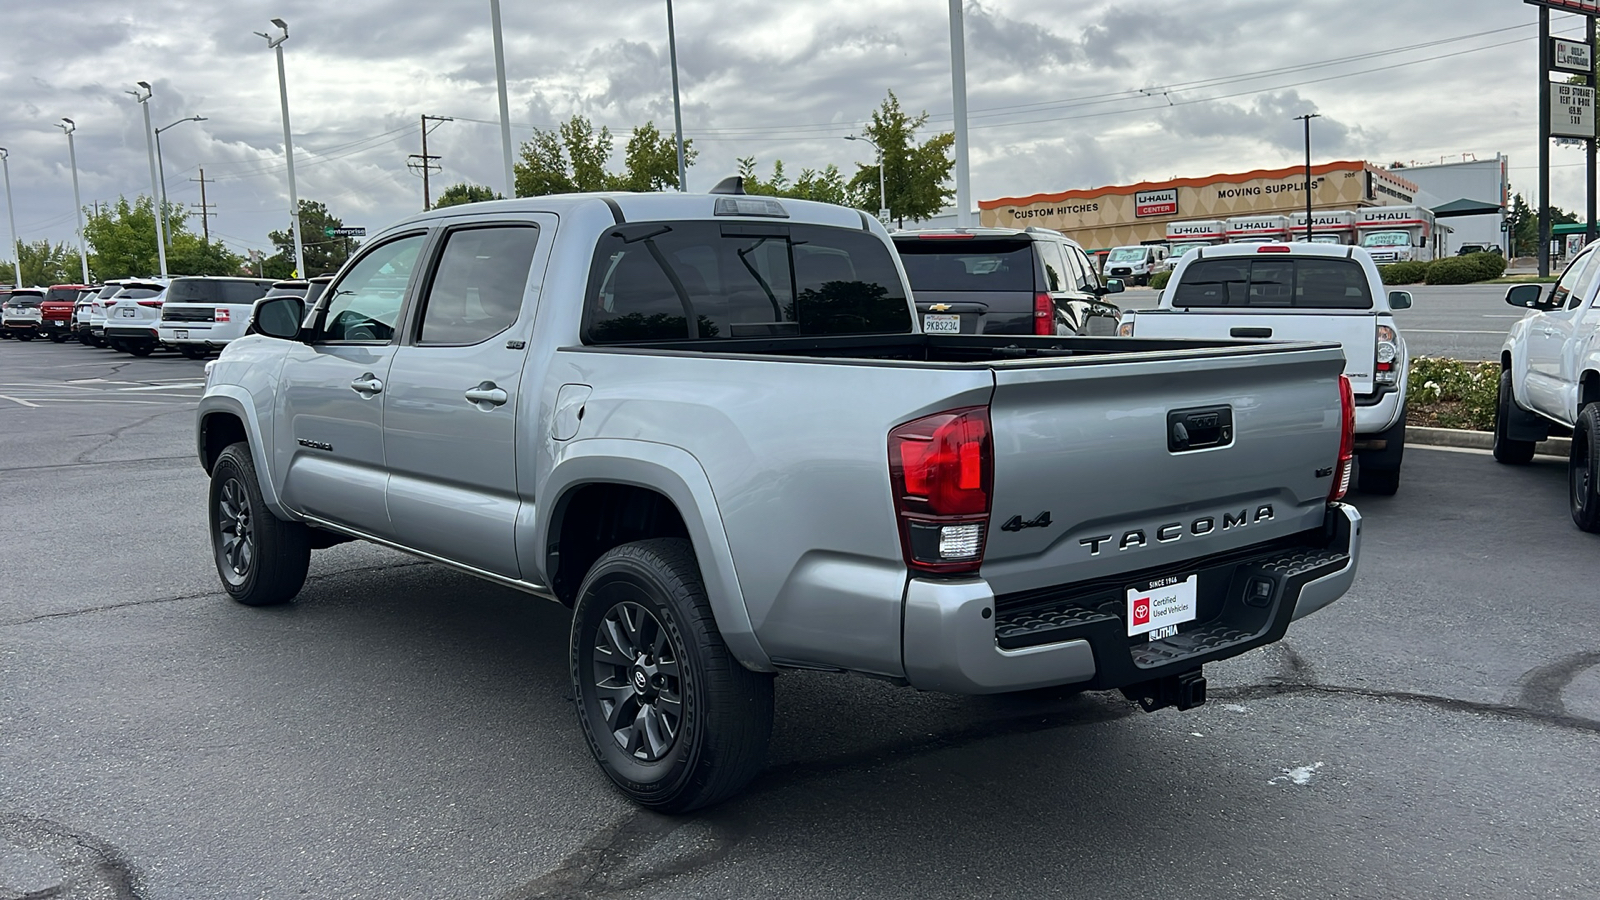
(202, 314)
(132, 315)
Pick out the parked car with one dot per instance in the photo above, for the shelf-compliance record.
(711, 425)
(202, 314)
(132, 317)
(80, 314)
(1295, 292)
(5, 296)
(1550, 376)
(97, 307)
(56, 311)
(21, 315)
(1468, 249)
(1004, 281)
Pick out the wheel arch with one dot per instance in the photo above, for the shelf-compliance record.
(605, 492)
(225, 418)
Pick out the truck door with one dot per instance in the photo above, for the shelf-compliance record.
(456, 393)
(1549, 382)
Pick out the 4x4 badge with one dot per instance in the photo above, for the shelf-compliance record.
(1015, 523)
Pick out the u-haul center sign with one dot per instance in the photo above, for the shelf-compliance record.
(1571, 111)
(1156, 203)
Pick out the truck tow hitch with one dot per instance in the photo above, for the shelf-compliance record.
(1185, 690)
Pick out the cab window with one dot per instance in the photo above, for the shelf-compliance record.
(365, 304)
(476, 291)
(1576, 281)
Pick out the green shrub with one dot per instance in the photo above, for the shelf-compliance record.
(1489, 265)
(1403, 272)
(1159, 280)
(1453, 270)
(1452, 393)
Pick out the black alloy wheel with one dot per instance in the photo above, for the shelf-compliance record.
(1583, 467)
(261, 559)
(236, 542)
(639, 681)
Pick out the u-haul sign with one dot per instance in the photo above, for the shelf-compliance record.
(1156, 203)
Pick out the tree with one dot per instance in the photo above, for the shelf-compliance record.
(574, 157)
(324, 253)
(915, 175)
(1524, 225)
(826, 186)
(43, 264)
(457, 194)
(190, 254)
(123, 236)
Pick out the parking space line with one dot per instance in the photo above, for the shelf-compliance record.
(1448, 331)
(166, 387)
(19, 400)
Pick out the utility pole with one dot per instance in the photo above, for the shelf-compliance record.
(423, 162)
(203, 206)
(1307, 119)
(1544, 141)
(1594, 83)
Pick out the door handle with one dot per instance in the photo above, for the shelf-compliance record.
(487, 395)
(1549, 332)
(367, 385)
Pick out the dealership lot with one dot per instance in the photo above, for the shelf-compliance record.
(403, 730)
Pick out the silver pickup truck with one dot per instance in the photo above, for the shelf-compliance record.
(710, 426)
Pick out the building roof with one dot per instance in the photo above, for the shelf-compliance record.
(1465, 207)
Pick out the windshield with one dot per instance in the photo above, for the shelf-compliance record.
(1303, 283)
(654, 281)
(217, 291)
(1387, 239)
(946, 265)
(1180, 249)
(1325, 239)
(1127, 254)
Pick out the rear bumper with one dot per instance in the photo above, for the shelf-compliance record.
(1380, 416)
(128, 333)
(1077, 634)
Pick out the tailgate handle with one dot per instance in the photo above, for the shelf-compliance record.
(1250, 332)
(1199, 429)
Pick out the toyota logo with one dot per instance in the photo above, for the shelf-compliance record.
(1141, 610)
(640, 680)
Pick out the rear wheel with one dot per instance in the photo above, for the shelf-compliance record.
(1582, 468)
(262, 559)
(671, 717)
(59, 337)
(193, 352)
(140, 349)
(1506, 450)
(24, 335)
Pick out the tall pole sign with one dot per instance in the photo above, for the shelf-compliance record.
(1565, 110)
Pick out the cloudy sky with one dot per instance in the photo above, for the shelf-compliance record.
(1061, 95)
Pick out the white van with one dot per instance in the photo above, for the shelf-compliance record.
(1134, 263)
(204, 313)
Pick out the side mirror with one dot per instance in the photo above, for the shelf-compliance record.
(1113, 286)
(1399, 299)
(278, 317)
(1526, 296)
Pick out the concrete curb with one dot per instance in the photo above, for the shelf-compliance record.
(1478, 440)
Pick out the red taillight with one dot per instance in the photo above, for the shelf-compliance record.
(942, 469)
(1272, 248)
(1347, 441)
(152, 303)
(1044, 314)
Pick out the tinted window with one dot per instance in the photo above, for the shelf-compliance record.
(24, 301)
(109, 291)
(1057, 275)
(654, 281)
(138, 293)
(1081, 264)
(477, 289)
(365, 304)
(1274, 282)
(236, 292)
(283, 289)
(963, 265)
(1575, 281)
(57, 294)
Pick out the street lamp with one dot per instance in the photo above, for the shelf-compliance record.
(276, 43)
(505, 108)
(11, 213)
(677, 108)
(77, 203)
(143, 96)
(883, 197)
(160, 167)
(1307, 119)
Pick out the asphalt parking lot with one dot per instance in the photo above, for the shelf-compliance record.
(405, 731)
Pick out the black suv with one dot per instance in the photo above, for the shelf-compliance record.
(1005, 281)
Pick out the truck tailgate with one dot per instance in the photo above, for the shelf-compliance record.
(1092, 479)
(1356, 332)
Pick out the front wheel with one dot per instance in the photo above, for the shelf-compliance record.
(1582, 468)
(24, 335)
(671, 717)
(262, 559)
(1506, 450)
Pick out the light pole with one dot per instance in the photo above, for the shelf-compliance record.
(11, 213)
(1307, 119)
(69, 127)
(161, 167)
(958, 96)
(505, 105)
(677, 108)
(883, 197)
(143, 96)
(276, 43)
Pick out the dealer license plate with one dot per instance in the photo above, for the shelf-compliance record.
(180, 334)
(127, 311)
(1154, 607)
(937, 324)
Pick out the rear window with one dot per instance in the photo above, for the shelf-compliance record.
(239, 292)
(109, 291)
(1274, 282)
(654, 281)
(61, 294)
(137, 293)
(24, 301)
(960, 265)
(287, 290)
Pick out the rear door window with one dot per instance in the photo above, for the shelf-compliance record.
(1057, 275)
(1272, 281)
(654, 281)
(477, 289)
(967, 265)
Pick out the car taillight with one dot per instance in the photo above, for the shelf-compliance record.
(1347, 441)
(155, 304)
(1044, 314)
(942, 470)
(1272, 248)
(1386, 354)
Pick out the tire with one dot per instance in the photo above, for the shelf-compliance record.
(140, 349)
(193, 352)
(1383, 482)
(1512, 453)
(58, 338)
(261, 559)
(686, 740)
(1583, 470)
(117, 346)
(24, 335)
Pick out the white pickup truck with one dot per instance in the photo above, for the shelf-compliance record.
(1550, 374)
(1299, 292)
